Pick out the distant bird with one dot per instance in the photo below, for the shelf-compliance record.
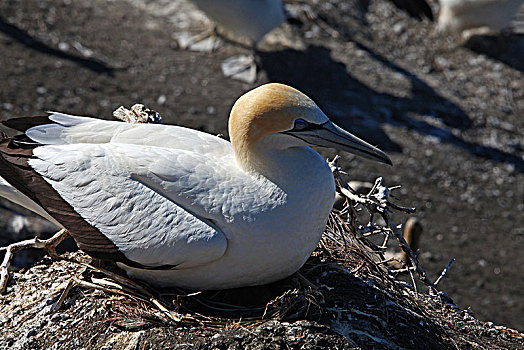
(248, 18)
(460, 15)
(179, 207)
(412, 234)
(255, 18)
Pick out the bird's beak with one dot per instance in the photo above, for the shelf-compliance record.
(333, 136)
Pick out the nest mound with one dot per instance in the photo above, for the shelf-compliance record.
(343, 297)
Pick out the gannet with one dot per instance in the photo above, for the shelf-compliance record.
(255, 18)
(460, 15)
(179, 207)
(249, 18)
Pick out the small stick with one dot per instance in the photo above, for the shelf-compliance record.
(60, 301)
(407, 249)
(121, 279)
(385, 243)
(130, 283)
(48, 244)
(89, 285)
(390, 260)
(413, 281)
(170, 314)
(378, 182)
(445, 271)
(403, 209)
(404, 269)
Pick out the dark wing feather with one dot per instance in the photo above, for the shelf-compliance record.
(416, 8)
(24, 123)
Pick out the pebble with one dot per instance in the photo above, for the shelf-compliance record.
(59, 317)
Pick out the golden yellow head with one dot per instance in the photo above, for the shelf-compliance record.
(269, 109)
(284, 117)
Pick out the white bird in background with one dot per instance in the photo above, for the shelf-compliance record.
(461, 15)
(179, 207)
(253, 19)
(249, 18)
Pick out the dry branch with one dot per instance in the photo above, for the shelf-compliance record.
(445, 271)
(377, 202)
(48, 244)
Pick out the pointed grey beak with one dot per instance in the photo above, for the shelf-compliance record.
(333, 136)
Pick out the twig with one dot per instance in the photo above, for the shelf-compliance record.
(445, 271)
(121, 289)
(85, 284)
(413, 280)
(121, 279)
(407, 249)
(60, 301)
(376, 201)
(48, 244)
(170, 314)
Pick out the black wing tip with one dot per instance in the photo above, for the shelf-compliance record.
(418, 9)
(22, 124)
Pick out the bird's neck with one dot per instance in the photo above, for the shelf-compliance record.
(293, 169)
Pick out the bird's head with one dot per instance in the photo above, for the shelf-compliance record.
(281, 117)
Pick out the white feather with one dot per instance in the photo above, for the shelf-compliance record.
(459, 15)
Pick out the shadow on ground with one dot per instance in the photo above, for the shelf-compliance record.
(507, 49)
(362, 110)
(33, 43)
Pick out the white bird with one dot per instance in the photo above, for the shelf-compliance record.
(179, 207)
(461, 15)
(255, 18)
(249, 18)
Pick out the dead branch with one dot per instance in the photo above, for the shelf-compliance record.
(445, 271)
(377, 202)
(48, 244)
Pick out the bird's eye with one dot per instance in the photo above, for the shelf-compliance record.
(300, 124)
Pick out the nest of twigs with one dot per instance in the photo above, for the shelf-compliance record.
(348, 285)
(344, 246)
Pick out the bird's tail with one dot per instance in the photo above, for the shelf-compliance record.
(12, 194)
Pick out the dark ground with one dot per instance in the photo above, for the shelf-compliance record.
(450, 114)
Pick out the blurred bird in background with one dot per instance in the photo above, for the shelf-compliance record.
(461, 15)
(252, 20)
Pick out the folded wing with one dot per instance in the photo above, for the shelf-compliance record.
(100, 180)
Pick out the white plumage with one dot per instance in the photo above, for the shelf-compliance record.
(460, 15)
(221, 214)
(249, 18)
